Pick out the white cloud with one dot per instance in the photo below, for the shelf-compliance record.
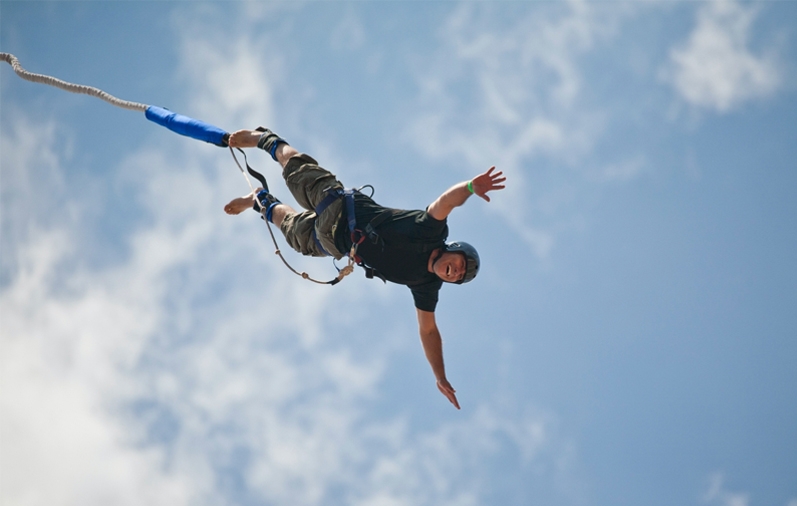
(715, 68)
(349, 33)
(523, 99)
(194, 369)
(717, 495)
(624, 170)
(25, 195)
(67, 337)
(229, 80)
(107, 399)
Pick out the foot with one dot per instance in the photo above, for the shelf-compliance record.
(239, 205)
(245, 139)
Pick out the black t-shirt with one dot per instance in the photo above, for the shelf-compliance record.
(401, 253)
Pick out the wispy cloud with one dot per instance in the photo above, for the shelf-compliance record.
(228, 78)
(194, 369)
(68, 336)
(115, 393)
(518, 99)
(715, 68)
(717, 495)
(30, 157)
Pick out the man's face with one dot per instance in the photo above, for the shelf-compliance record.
(450, 267)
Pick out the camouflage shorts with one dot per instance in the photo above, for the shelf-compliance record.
(308, 182)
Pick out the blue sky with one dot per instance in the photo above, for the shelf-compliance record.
(630, 340)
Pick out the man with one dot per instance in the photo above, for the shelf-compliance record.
(405, 247)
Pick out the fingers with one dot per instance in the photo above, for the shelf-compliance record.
(490, 174)
(453, 399)
(487, 182)
(447, 390)
(498, 177)
(492, 179)
(496, 180)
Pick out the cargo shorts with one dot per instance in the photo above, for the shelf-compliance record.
(304, 230)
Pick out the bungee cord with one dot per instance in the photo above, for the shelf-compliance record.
(70, 87)
(182, 125)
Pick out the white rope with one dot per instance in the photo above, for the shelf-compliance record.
(70, 87)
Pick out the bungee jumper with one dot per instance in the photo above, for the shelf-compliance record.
(404, 247)
(407, 247)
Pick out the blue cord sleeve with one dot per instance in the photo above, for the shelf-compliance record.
(189, 127)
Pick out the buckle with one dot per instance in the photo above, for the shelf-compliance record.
(357, 236)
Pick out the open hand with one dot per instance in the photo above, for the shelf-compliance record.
(487, 182)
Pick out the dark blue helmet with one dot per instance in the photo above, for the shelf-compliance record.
(471, 259)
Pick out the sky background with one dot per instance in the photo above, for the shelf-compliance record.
(631, 338)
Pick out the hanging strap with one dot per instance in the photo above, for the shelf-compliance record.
(357, 235)
(347, 195)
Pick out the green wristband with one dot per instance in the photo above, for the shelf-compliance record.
(470, 186)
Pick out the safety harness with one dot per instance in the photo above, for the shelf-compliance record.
(357, 235)
(333, 194)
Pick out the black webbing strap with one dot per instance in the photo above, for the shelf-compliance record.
(255, 174)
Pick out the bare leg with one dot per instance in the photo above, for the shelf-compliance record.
(284, 153)
(279, 213)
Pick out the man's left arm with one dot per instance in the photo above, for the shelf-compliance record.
(459, 193)
(432, 344)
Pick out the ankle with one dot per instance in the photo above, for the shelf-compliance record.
(266, 201)
(269, 142)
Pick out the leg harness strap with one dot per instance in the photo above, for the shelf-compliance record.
(357, 235)
(341, 272)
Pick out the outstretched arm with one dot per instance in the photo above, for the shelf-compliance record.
(459, 193)
(433, 348)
